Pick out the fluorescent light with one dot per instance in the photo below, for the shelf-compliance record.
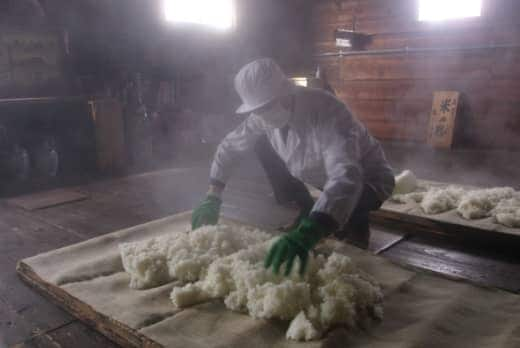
(218, 14)
(438, 10)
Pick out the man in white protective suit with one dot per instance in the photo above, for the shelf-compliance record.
(302, 135)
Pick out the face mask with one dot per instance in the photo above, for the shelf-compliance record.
(276, 117)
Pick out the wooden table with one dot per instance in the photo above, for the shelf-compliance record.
(28, 320)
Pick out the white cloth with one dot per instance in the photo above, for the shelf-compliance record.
(276, 117)
(326, 147)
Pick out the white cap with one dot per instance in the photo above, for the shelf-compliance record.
(259, 83)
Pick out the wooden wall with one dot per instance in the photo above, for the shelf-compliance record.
(392, 94)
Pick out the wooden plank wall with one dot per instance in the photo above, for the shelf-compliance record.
(392, 94)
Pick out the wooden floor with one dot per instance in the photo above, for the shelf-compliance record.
(28, 320)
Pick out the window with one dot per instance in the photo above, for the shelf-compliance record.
(438, 10)
(300, 81)
(218, 14)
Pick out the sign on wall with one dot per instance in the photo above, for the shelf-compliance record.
(30, 58)
(442, 119)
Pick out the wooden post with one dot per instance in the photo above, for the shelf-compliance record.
(110, 138)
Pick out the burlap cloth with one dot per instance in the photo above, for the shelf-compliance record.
(451, 216)
(421, 310)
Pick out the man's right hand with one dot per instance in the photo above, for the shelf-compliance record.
(207, 213)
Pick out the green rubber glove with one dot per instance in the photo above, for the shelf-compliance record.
(298, 242)
(207, 213)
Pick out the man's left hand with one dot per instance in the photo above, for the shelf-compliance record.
(297, 243)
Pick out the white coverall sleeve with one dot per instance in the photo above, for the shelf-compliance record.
(234, 146)
(342, 161)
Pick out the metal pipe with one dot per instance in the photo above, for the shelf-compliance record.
(408, 50)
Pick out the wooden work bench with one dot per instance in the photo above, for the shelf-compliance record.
(29, 320)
